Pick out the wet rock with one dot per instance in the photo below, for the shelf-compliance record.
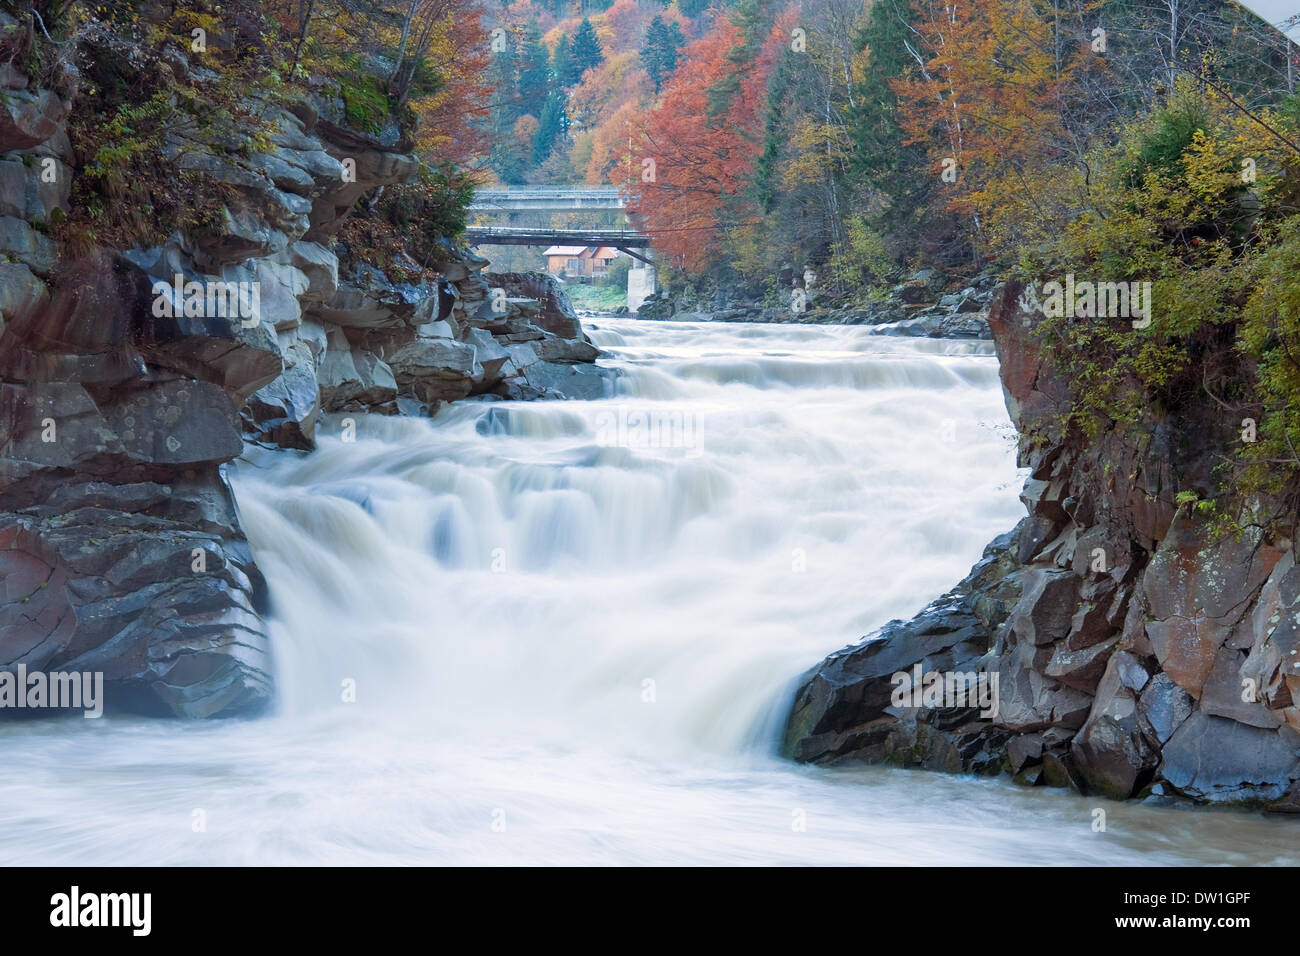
(351, 379)
(552, 348)
(963, 325)
(283, 414)
(1029, 700)
(1163, 707)
(167, 608)
(1024, 750)
(1222, 761)
(434, 369)
(842, 710)
(568, 381)
(1059, 771)
(1110, 750)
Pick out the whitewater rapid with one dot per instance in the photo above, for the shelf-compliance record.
(568, 632)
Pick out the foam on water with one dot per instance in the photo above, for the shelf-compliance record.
(585, 619)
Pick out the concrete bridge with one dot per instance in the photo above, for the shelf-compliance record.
(547, 199)
(641, 279)
(624, 240)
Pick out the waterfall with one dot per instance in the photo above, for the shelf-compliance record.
(568, 632)
(647, 571)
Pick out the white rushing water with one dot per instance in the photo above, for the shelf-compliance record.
(573, 630)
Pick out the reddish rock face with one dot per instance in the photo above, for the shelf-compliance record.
(28, 119)
(1036, 396)
(1195, 591)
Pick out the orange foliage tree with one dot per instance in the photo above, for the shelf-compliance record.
(686, 163)
(985, 98)
(449, 116)
(620, 79)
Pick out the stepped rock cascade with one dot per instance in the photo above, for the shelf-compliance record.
(570, 632)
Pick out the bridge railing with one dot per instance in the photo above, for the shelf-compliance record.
(556, 197)
(549, 192)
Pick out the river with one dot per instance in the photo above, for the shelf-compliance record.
(568, 632)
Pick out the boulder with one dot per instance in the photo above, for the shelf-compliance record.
(29, 118)
(434, 369)
(283, 414)
(19, 241)
(490, 356)
(353, 379)
(1110, 751)
(568, 381)
(1047, 608)
(1216, 760)
(321, 268)
(555, 315)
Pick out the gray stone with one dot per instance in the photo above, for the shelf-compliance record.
(20, 241)
(1222, 761)
(320, 266)
(1163, 707)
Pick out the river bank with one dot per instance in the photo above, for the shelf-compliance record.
(1140, 650)
(534, 632)
(131, 375)
(927, 304)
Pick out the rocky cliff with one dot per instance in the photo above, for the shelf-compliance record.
(1140, 649)
(130, 376)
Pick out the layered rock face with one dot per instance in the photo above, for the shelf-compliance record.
(128, 377)
(1138, 652)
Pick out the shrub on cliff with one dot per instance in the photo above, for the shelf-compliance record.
(169, 101)
(1196, 198)
(409, 224)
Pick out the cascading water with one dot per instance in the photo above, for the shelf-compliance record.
(567, 632)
